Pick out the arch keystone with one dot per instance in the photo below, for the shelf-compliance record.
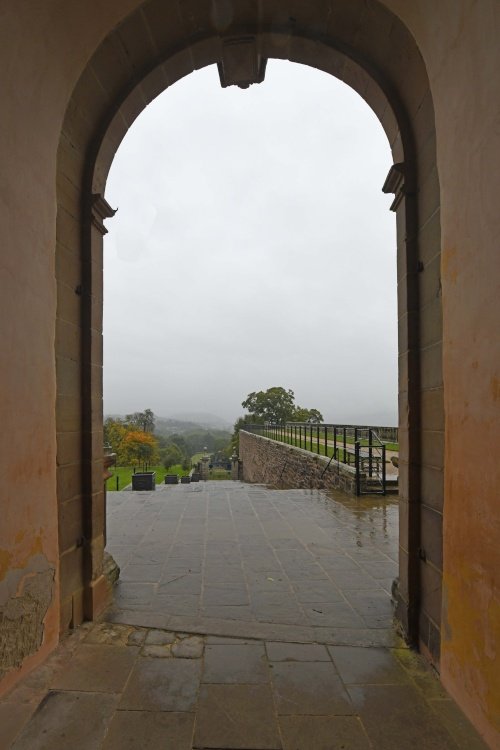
(241, 63)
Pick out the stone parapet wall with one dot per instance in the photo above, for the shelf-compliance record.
(279, 465)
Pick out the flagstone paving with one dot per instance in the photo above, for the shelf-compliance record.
(243, 560)
(247, 619)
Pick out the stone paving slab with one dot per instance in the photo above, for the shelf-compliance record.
(131, 730)
(305, 658)
(229, 694)
(229, 558)
(68, 719)
(234, 717)
(323, 733)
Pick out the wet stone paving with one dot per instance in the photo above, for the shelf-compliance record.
(245, 618)
(261, 561)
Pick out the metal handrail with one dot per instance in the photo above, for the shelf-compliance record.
(345, 444)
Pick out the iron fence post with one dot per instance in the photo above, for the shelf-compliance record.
(383, 469)
(358, 475)
(370, 449)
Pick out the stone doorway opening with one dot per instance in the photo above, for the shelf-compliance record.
(121, 78)
(134, 247)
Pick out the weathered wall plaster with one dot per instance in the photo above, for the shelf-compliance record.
(44, 48)
(25, 597)
(462, 54)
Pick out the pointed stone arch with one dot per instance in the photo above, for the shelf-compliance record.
(366, 46)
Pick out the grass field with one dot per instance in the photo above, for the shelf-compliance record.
(197, 457)
(308, 446)
(124, 475)
(349, 441)
(217, 474)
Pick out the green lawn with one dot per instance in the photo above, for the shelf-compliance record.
(307, 445)
(349, 441)
(217, 474)
(197, 457)
(124, 475)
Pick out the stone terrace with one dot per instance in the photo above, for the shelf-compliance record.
(238, 559)
(247, 619)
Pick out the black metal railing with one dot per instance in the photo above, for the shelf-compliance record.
(359, 447)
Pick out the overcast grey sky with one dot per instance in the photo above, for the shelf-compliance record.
(252, 248)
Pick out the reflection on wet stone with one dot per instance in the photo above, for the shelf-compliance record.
(255, 555)
(245, 618)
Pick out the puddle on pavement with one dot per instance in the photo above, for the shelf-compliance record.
(364, 502)
(369, 516)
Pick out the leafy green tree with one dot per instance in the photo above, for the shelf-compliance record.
(181, 442)
(140, 448)
(274, 405)
(240, 425)
(306, 415)
(172, 455)
(211, 440)
(114, 435)
(142, 420)
(223, 446)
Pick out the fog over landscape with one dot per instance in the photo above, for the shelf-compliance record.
(252, 247)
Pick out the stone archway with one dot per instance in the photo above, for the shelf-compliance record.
(368, 48)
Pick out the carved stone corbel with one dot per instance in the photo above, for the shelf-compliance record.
(101, 210)
(395, 183)
(241, 63)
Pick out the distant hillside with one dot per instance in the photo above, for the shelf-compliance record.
(204, 419)
(168, 425)
(180, 423)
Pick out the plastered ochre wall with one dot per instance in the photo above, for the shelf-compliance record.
(462, 54)
(43, 49)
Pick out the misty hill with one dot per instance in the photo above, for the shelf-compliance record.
(169, 426)
(204, 419)
(180, 424)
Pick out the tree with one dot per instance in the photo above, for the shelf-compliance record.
(144, 420)
(172, 455)
(181, 443)
(240, 425)
(140, 448)
(306, 415)
(274, 405)
(114, 434)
